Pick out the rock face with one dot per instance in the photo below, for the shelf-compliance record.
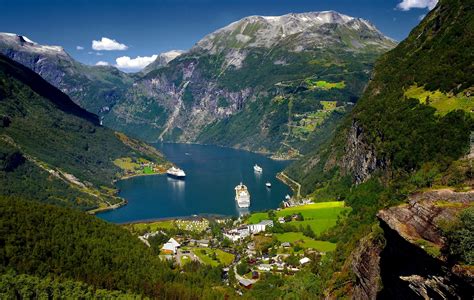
(222, 91)
(365, 263)
(402, 263)
(95, 88)
(419, 218)
(360, 159)
(410, 264)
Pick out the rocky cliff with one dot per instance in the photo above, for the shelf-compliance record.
(410, 264)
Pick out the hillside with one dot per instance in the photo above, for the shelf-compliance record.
(54, 151)
(416, 111)
(409, 133)
(280, 81)
(95, 88)
(57, 247)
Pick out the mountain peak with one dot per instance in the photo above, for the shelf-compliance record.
(309, 28)
(23, 42)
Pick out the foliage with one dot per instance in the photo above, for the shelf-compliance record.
(54, 133)
(48, 241)
(460, 237)
(242, 268)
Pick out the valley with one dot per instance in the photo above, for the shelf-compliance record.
(356, 152)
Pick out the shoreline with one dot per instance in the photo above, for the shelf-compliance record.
(269, 155)
(160, 219)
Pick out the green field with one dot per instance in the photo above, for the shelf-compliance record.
(443, 103)
(257, 217)
(305, 242)
(155, 226)
(148, 170)
(324, 85)
(205, 254)
(319, 216)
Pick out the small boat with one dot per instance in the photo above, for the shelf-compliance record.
(268, 184)
(257, 168)
(176, 173)
(287, 197)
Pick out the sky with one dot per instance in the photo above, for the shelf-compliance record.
(129, 33)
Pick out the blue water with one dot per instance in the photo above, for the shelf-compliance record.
(212, 173)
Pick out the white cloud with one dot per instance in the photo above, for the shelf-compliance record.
(409, 4)
(79, 48)
(99, 54)
(134, 64)
(106, 44)
(421, 17)
(102, 63)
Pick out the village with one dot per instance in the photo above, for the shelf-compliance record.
(282, 241)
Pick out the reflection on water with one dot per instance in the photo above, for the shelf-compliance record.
(209, 187)
(242, 211)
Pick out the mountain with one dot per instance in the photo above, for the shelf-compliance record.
(261, 83)
(52, 150)
(162, 60)
(401, 159)
(95, 88)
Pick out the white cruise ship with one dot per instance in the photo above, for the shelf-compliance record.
(242, 195)
(257, 168)
(176, 173)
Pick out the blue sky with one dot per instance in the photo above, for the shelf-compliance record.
(147, 27)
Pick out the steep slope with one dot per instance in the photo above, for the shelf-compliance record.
(417, 109)
(409, 132)
(95, 88)
(54, 151)
(259, 83)
(45, 243)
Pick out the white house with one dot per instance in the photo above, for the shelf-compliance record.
(262, 226)
(264, 267)
(171, 246)
(237, 234)
(304, 260)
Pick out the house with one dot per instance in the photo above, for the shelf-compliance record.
(171, 246)
(265, 267)
(203, 243)
(304, 260)
(237, 234)
(246, 283)
(281, 220)
(286, 245)
(259, 227)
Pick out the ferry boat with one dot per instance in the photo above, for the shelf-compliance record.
(268, 184)
(176, 173)
(242, 195)
(257, 168)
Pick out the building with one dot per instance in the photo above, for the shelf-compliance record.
(237, 234)
(285, 244)
(281, 220)
(171, 246)
(259, 227)
(304, 260)
(265, 267)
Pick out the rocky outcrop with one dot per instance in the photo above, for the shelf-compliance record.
(412, 265)
(419, 218)
(365, 264)
(405, 262)
(360, 158)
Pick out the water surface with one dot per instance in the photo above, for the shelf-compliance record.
(212, 173)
